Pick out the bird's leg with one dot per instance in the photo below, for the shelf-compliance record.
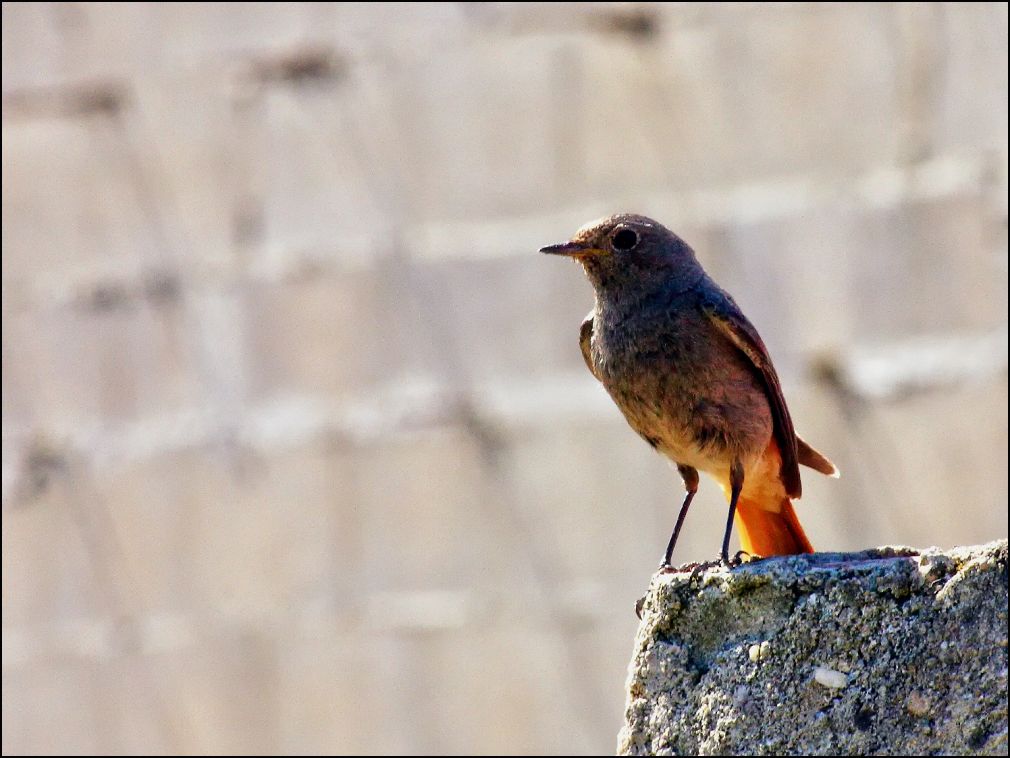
(690, 476)
(736, 483)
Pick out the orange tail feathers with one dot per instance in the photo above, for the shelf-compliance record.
(763, 532)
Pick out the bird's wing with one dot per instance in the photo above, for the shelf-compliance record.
(728, 319)
(585, 336)
(815, 460)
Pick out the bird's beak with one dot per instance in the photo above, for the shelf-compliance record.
(571, 249)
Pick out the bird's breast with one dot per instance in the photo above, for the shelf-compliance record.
(682, 386)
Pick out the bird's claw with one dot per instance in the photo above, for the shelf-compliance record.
(739, 558)
(728, 562)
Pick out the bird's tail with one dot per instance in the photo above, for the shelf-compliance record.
(766, 532)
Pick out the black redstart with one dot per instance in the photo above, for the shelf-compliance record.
(692, 377)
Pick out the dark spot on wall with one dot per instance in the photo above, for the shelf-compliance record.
(43, 464)
(639, 24)
(309, 66)
(162, 287)
(247, 223)
(96, 97)
(102, 99)
(107, 296)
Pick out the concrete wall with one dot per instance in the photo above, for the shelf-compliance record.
(299, 453)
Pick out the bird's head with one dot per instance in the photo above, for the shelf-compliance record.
(630, 251)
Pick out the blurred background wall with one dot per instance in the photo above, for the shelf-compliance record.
(299, 452)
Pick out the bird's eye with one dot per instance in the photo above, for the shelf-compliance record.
(625, 239)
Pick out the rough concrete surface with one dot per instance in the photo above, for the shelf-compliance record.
(887, 651)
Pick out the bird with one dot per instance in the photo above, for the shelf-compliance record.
(693, 378)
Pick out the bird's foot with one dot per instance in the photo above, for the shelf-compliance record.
(694, 567)
(739, 558)
(666, 568)
(726, 562)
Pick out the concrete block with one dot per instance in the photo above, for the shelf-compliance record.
(888, 650)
